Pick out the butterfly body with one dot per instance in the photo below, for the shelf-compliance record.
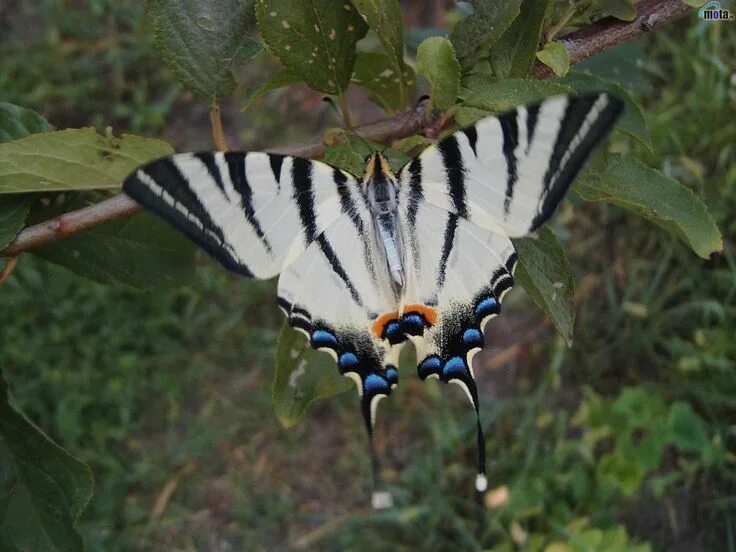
(367, 265)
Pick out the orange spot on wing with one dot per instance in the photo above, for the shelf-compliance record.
(381, 322)
(429, 313)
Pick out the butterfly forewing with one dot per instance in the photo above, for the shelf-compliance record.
(253, 212)
(509, 173)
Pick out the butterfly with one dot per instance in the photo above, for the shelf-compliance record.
(369, 263)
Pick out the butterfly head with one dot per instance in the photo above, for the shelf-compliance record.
(380, 184)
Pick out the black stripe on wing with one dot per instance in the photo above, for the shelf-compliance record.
(236, 171)
(452, 160)
(510, 131)
(598, 112)
(301, 175)
(160, 187)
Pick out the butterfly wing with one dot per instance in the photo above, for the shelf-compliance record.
(460, 202)
(253, 212)
(457, 276)
(509, 173)
(335, 292)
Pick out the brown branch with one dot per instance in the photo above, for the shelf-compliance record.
(609, 32)
(581, 45)
(218, 134)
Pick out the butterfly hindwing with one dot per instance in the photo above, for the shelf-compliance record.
(334, 293)
(509, 173)
(253, 212)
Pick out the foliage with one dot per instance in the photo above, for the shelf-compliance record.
(570, 461)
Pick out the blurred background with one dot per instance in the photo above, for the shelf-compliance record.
(625, 440)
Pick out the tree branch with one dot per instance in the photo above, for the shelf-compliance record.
(609, 32)
(581, 45)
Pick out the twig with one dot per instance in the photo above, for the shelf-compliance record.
(604, 34)
(8, 268)
(218, 134)
(581, 45)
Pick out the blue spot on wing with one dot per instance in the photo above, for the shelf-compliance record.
(473, 338)
(487, 307)
(375, 384)
(454, 368)
(392, 375)
(430, 365)
(323, 338)
(348, 361)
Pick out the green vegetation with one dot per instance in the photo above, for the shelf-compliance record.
(625, 441)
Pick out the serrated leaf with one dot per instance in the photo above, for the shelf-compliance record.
(484, 95)
(350, 151)
(473, 36)
(13, 213)
(544, 272)
(385, 19)
(555, 56)
(17, 122)
(44, 488)
(512, 56)
(437, 63)
(285, 77)
(77, 159)
(302, 376)
(141, 251)
(376, 72)
(632, 120)
(314, 38)
(202, 40)
(630, 184)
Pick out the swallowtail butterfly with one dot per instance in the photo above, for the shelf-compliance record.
(369, 263)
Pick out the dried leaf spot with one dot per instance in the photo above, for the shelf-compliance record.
(333, 34)
(351, 28)
(347, 7)
(285, 24)
(387, 73)
(273, 14)
(316, 28)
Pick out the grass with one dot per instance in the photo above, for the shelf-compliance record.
(626, 438)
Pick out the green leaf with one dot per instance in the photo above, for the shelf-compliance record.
(620, 9)
(632, 121)
(484, 95)
(74, 159)
(687, 428)
(314, 38)
(44, 488)
(17, 122)
(201, 41)
(385, 19)
(555, 56)
(437, 63)
(473, 36)
(13, 212)
(302, 375)
(350, 152)
(512, 56)
(376, 72)
(141, 251)
(623, 64)
(632, 185)
(285, 77)
(544, 272)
